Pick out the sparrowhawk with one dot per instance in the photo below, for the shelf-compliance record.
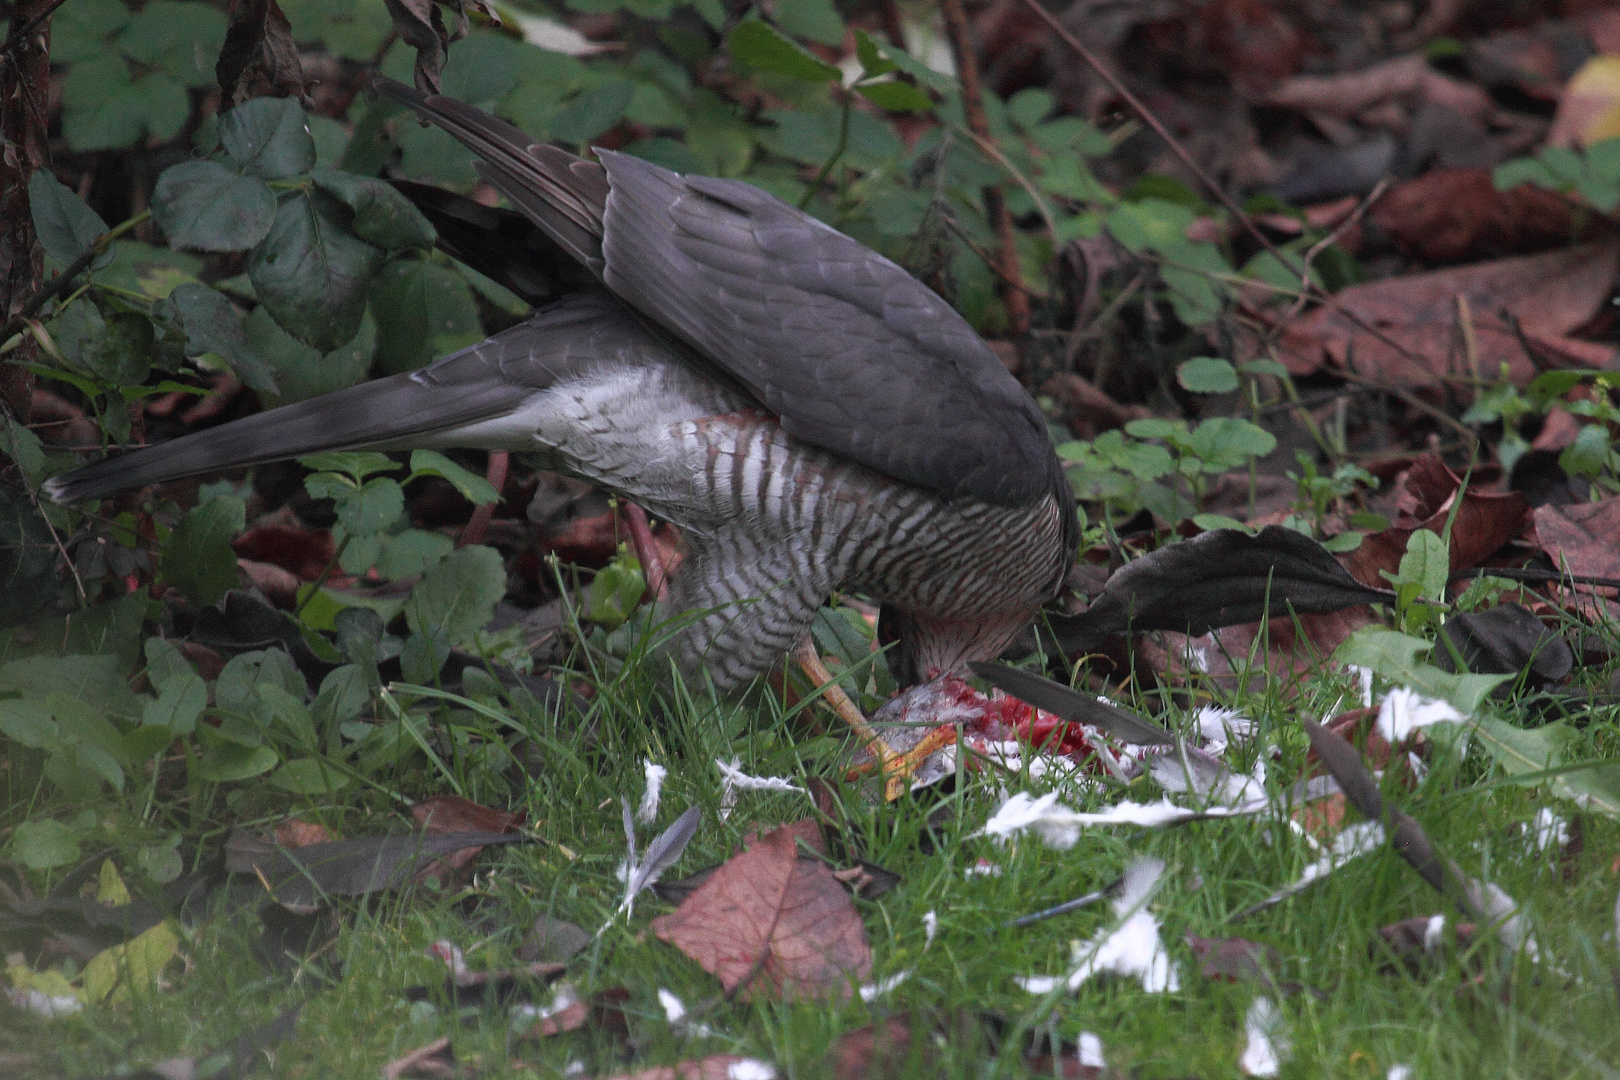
(810, 416)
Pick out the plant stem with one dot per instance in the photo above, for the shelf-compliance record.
(838, 152)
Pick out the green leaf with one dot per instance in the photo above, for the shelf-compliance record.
(1427, 564)
(1510, 174)
(410, 553)
(1225, 442)
(94, 680)
(237, 689)
(198, 559)
(382, 216)
(873, 62)
(44, 844)
(268, 137)
(67, 228)
(204, 206)
(896, 96)
(309, 776)
(1520, 752)
(344, 694)
(130, 971)
(758, 46)
(591, 112)
(182, 695)
(817, 20)
(372, 508)
(27, 721)
(918, 70)
(1029, 107)
(1394, 656)
(183, 39)
(356, 463)
(225, 762)
(473, 487)
(456, 598)
(1207, 375)
(213, 326)
(116, 348)
(311, 274)
(23, 447)
(300, 371)
(423, 310)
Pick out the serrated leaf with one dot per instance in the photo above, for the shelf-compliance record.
(269, 137)
(356, 463)
(204, 206)
(213, 326)
(198, 559)
(456, 598)
(757, 45)
(1522, 751)
(67, 228)
(311, 274)
(473, 487)
(372, 508)
(382, 216)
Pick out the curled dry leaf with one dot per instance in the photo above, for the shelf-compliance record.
(1448, 215)
(1541, 297)
(1581, 540)
(1424, 496)
(258, 45)
(452, 813)
(603, 1012)
(770, 921)
(421, 26)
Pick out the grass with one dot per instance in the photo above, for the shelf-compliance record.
(1482, 1010)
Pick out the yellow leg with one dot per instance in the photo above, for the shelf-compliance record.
(838, 701)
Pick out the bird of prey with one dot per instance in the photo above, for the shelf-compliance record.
(810, 416)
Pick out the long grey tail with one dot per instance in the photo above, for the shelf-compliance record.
(369, 415)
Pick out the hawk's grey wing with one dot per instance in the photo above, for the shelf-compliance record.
(853, 353)
(490, 380)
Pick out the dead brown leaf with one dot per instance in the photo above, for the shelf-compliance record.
(769, 915)
(1420, 942)
(434, 1061)
(873, 1052)
(452, 813)
(603, 1012)
(1424, 495)
(1582, 539)
(1545, 296)
(1290, 650)
(1449, 215)
(293, 833)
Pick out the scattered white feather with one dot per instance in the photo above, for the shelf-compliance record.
(524, 1013)
(983, 868)
(1059, 826)
(655, 788)
(1405, 711)
(1091, 1051)
(1434, 933)
(733, 780)
(1399, 1072)
(1133, 947)
(451, 956)
(39, 1003)
(1548, 831)
(1268, 1046)
(1219, 728)
(1187, 770)
(750, 1069)
(576, 1067)
(551, 35)
(1364, 678)
(1353, 841)
(675, 1016)
(930, 923)
(872, 991)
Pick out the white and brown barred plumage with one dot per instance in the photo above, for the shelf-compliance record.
(810, 416)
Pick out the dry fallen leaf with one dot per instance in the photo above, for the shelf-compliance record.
(434, 1061)
(1424, 497)
(452, 813)
(873, 1052)
(294, 833)
(767, 917)
(715, 1067)
(1415, 317)
(1447, 215)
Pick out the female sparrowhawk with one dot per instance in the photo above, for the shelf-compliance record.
(810, 416)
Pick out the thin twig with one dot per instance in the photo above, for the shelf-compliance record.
(1322, 245)
(1015, 296)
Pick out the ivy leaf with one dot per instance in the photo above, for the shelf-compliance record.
(269, 138)
(473, 487)
(382, 216)
(67, 228)
(213, 326)
(198, 559)
(204, 206)
(312, 274)
(760, 47)
(455, 599)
